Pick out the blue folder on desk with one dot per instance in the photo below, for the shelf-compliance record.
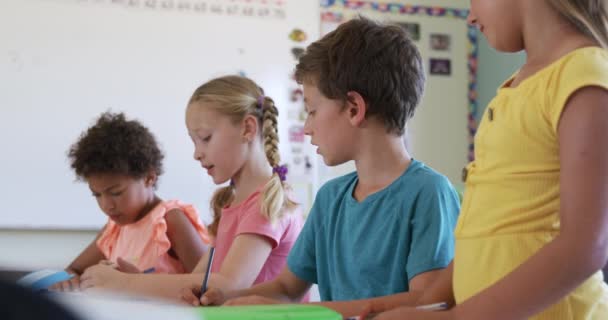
(43, 279)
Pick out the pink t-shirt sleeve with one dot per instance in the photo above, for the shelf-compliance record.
(252, 222)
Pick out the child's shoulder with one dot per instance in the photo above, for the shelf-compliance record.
(580, 63)
(424, 176)
(586, 55)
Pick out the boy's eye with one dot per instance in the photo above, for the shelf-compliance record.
(115, 194)
(207, 138)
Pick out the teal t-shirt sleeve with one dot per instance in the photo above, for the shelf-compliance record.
(302, 259)
(434, 219)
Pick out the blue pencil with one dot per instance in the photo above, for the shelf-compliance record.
(150, 270)
(206, 279)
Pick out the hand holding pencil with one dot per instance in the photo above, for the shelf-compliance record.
(202, 295)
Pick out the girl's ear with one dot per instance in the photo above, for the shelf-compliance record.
(150, 179)
(250, 128)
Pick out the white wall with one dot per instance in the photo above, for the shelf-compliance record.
(37, 249)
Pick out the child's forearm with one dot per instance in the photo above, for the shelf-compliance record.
(373, 305)
(542, 280)
(168, 286)
(440, 290)
(271, 289)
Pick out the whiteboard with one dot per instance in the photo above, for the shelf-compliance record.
(63, 62)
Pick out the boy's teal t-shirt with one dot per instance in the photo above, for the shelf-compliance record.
(358, 250)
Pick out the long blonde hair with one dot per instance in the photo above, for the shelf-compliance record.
(588, 16)
(238, 97)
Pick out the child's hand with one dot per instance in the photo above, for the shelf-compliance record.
(191, 295)
(103, 276)
(411, 313)
(68, 285)
(213, 297)
(127, 267)
(249, 300)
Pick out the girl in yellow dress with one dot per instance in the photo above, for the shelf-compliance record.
(532, 235)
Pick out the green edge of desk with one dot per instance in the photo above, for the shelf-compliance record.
(269, 312)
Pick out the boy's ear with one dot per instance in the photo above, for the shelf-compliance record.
(250, 128)
(356, 108)
(150, 178)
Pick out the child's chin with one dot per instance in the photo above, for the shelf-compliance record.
(328, 160)
(219, 181)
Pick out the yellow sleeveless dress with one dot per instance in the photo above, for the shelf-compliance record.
(512, 195)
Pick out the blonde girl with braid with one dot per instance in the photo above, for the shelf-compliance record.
(233, 126)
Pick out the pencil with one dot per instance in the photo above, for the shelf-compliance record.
(434, 307)
(206, 279)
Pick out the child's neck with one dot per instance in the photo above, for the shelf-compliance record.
(380, 161)
(253, 175)
(547, 37)
(151, 204)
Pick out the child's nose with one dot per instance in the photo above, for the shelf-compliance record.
(107, 203)
(471, 19)
(198, 154)
(307, 128)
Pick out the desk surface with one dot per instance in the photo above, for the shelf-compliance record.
(113, 307)
(12, 275)
(116, 306)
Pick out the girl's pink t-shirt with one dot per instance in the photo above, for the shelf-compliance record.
(246, 218)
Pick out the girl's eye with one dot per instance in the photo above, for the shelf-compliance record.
(207, 138)
(115, 194)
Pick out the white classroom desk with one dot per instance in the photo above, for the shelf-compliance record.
(97, 306)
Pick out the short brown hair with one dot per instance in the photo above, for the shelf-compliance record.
(378, 61)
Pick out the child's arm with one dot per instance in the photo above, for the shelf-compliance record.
(91, 255)
(240, 268)
(433, 286)
(185, 240)
(426, 288)
(243, 263)
(286, 287)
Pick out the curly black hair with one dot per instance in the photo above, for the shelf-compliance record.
(115, 145)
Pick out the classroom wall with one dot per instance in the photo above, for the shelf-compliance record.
(38, 249)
